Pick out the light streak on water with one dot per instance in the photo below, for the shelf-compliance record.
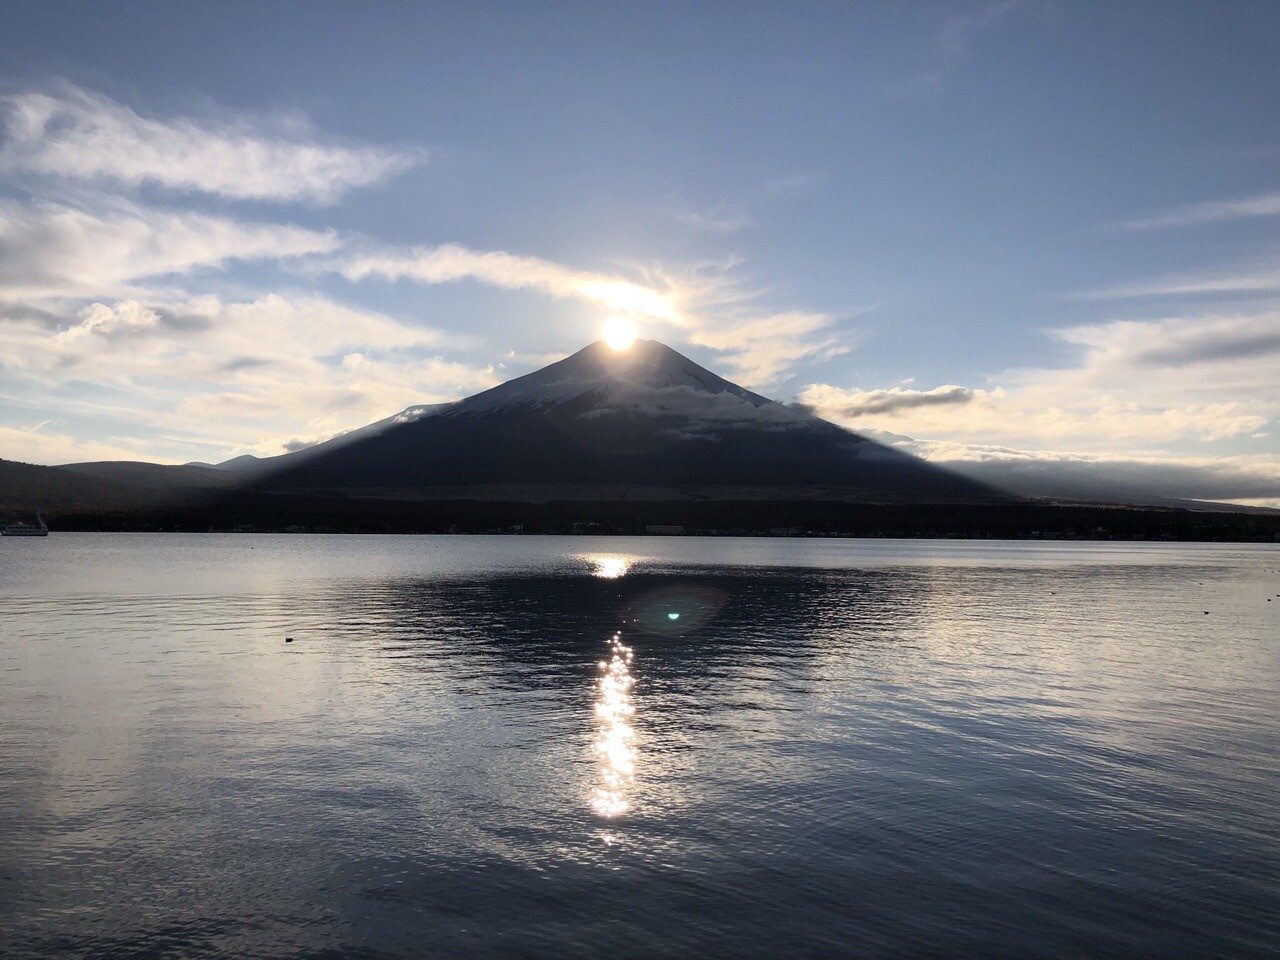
(615, 737)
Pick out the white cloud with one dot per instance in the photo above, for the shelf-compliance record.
(1181, 381)
(953, 43)
(761, 350)
(1261, 205)
(80, 135)
(55, 250)
(39, 444)
(704, 304)
(102, 319)
(1264, 280)
(449, 263)
(721, 219)
(200, 374)
(200, 377)
(1135, 477)
(1181, 341)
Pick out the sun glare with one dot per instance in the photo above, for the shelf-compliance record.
(619, 333)
(609, 568)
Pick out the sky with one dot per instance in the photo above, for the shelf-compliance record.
(1028, 234)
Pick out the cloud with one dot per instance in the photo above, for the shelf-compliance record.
(101, 319)
(761, 350)
(199, 378)
(1180, 342)
(1179, 381)
(96, 321)
(1265, 280)
(1261, 205)
(721, 219)
(704, 303)
(38, 444)
(852, 404)
(1051, 473)
(55, 250)
(953, 43)
(449, 263)
(79, 135)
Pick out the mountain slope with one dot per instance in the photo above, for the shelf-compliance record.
(603, 424)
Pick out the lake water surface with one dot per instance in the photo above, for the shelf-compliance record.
(612, 747)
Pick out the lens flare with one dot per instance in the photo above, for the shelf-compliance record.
(674, 610)
(619, 333)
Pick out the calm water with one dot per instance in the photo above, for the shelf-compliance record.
(581, 747)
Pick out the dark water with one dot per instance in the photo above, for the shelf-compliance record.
(834, 748)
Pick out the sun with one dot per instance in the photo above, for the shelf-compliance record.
(619, 333)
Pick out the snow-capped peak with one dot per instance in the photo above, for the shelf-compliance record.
(645, 373)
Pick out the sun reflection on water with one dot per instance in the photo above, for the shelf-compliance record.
(614, 735)
(609, 568)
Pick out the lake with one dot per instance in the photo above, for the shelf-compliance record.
(637, 747)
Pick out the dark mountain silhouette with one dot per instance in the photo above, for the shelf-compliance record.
(642, 423)
(109, 486)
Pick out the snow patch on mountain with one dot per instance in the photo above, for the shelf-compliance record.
(649, 379)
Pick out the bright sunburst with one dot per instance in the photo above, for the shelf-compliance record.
(619, 333)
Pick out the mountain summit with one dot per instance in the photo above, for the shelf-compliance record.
(648, 371)
(643, 423)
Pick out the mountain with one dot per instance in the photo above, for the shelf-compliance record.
(644, 423)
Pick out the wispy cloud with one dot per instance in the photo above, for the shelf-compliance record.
(953, 42)
(1215, 211)
(703, 303)
(1054, 473)
(721, 219)
(80, 135)
(449, 263)
(1190, 285)
(853, 404)
(55, 250)
(761, 350)
(1179, 341)
(229, 377)
(45, 443)
(101, 319)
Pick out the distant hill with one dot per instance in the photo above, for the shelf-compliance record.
(27, 487)
(112, 487)
(155, 476)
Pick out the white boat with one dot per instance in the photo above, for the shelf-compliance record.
(25, 529)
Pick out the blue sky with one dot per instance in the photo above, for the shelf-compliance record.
(1022, 232)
